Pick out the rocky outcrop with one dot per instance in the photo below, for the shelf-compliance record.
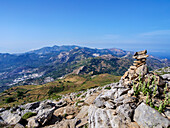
(10, 118)
(148, 117)
(124, 105)
(129, 103)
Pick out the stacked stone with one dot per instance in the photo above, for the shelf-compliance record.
(139, 67)
(141, 58)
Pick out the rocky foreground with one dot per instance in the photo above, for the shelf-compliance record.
(139, 99)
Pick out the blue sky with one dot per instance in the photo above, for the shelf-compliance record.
(126, 24)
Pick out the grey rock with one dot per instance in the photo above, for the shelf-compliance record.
(83, 112)
(109, 94)
(129, 100)
(148, 117)
(122, 91)
(99, 102)
(65, 124)
(18, 125)
(60, 103)
(46, 104)
(10, 118)
(2, 109)
(2, 123)
(31, 106)
(126, 111)
(167, 112)
(103, 118)
(143, 70)
(44, 115)
(110, 105)
(166, 77)
(33, 123)
(119, 100)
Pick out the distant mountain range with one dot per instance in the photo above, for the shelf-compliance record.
(50, 63)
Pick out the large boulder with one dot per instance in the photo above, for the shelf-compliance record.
(101, 99)
(31, 106)
(126, 111)
(104, 118)
(65, 124)
(142, 70)
(166, 77)
(83, 112)
(33, 123)
(69, 110)
(148, 117)
(18, 125)
(44, 115)
(89, 100)
(10, 118)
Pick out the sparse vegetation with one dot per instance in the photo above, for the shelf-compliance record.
(20, 93)
(9, 100)
(28, 115)
(55, 89)
(108, 88)
(80, 101)
(150, 91)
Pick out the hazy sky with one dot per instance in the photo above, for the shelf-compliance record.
(126, 24)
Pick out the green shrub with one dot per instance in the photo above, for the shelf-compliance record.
(108, 88)
(55, 97)
(78, 95)
(28, 115)
(55, 90)
(9, 100)
(81, 101)
(20, 93)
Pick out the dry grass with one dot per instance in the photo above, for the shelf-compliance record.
(71, 83)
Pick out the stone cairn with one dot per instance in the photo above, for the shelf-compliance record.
(139, 68)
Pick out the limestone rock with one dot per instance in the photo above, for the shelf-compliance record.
(44, 115)
(69, 117)
(148, 117)
(133, 67)
(125, 75)
(10, 118)
(69, 110)
(2, 109)
(104, 118)
(126, 111)
(139, 57)
(167, 112)
(65, 124)
(89, 100)
(166, 77)
(31, 105)
(134, 125)
(143, 70)
(19, 126)
(83, 112)
(82, 123)
(33, 123)
(140, 52)
(99, 102)
(2, 123)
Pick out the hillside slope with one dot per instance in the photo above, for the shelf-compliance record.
(50, 63)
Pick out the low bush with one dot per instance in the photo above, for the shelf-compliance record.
(55, 90)
(28, 115)
(108, 88)
(9, 100)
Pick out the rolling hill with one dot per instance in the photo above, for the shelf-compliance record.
(50, 63)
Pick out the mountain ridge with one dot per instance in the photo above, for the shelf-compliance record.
(35, 67)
